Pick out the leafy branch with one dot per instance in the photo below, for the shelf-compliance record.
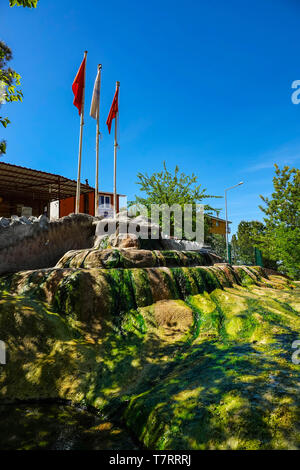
(23, 3)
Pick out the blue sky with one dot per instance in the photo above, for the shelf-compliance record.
(204, 85)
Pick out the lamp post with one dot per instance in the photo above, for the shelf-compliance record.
(241, 182)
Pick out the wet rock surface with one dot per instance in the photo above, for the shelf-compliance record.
(134, 258)
(36, 426)
(34, 242)
(30, 243)
(187, 357)
(182, 350)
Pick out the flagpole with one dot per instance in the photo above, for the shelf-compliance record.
(80, 145)
(97, 147)
(115, 158)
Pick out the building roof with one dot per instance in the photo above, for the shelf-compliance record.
(16, 180)
(218, 219)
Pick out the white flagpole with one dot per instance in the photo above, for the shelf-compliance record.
(80, 145)
(115, 158)
(97, 147)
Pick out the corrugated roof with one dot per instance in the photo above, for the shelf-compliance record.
(218, 218)
(41, 185)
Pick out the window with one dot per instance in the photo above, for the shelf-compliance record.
(104, 201)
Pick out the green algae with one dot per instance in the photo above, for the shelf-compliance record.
(183, 282)
(122, 293)
(171, 283)
(141, 286)
(210, 280)
(224, 382)
(171, 258)
(109, 257)
(245, 277)
(58, 427)
(232, 401)
(133, 322)
(113, 260)
(67, 296)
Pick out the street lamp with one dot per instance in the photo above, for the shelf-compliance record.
(241, 182)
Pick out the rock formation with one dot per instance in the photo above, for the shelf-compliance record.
(32, 243)
(186, 352)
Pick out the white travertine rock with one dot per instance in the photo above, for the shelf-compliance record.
(24, 220)
(32, 243)
(4, 222)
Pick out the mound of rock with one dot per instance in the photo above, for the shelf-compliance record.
(139, 232)
(30, 243)
(188, 357)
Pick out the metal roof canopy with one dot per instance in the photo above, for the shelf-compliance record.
(218, 219)
(37, 184)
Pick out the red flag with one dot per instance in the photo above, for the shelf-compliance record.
(78, 85)
(113, 110)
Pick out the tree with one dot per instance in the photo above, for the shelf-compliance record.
(247, 236)
(23, 3)
(218, 244)
(9, 79)
(281, 239)
(167, 188)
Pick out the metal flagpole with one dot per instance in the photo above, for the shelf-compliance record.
(115, 158)
(80, 145)
(227, 254)
(97, 147)
(226, 215)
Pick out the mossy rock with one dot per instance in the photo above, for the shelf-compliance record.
(209, 370)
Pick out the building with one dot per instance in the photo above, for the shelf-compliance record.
(24, 191)
(87, 204)
(218, 226)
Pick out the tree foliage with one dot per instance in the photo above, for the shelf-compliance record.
(218, 244)
(23, 3)
(243, 242)
(9, 81)
(169, 188)
(248, 236)
(9, 78)
(281, 239)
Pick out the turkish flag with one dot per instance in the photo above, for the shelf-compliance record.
(113, 110)
(78, 86)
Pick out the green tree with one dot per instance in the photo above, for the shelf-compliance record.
(167, 188)
(218, 244)
(23, 3)
(9, 82)
(281, 239)
(9, 79)
(247, 236)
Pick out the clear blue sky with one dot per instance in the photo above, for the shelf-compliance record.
(204, 85)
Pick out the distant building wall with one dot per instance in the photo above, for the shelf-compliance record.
(12, 205)
(41, 244)
(87, 203)
(218, 226)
